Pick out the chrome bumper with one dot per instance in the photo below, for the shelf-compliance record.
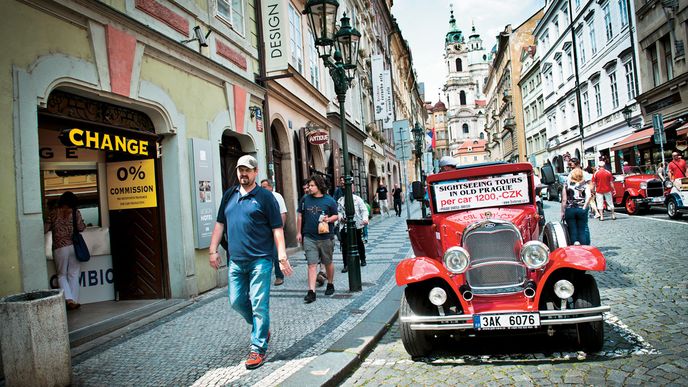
(465, 321)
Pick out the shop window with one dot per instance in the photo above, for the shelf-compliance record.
(82, 182)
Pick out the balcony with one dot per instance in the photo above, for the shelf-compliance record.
(509, 123)
(506, 95)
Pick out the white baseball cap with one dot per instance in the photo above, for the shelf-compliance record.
(447, 160)
(247, 161)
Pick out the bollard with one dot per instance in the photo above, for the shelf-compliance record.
(35, 340)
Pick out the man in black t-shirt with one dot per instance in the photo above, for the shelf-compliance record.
(396, 193)
(382, 199)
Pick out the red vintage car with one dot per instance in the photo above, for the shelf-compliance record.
(638, 189)
(480, 268)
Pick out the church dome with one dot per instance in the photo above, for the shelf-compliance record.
(439, 106)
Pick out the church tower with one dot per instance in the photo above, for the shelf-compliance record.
(467, 69)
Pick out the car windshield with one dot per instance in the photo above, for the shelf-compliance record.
(481, 192)
(648, 169)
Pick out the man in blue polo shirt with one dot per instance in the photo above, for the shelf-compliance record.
(253, 223)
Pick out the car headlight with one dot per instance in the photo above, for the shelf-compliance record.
(456, 259)
(438, 296)
(668, 184)
(643, 185)
(535, 254)
(563, 289)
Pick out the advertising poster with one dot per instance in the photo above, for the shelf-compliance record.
(204, 202)
(379, 100)
(131, 184)
(275, 35)
(388, 120)
(489, 191)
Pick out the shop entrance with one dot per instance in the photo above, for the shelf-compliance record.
(128, 258)
(137, 248)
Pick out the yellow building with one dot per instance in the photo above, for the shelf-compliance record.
(110, 98)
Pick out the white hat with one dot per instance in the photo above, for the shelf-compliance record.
(247, 161)
(447, 161)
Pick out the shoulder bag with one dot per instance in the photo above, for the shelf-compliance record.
(80, 248)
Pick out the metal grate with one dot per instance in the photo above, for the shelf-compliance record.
(655, 188)
(495, 263)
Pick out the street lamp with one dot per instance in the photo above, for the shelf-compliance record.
(322, 16)
(418, 136)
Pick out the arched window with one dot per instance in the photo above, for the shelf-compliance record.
(465, 128)
(462, 97)
(459, 64)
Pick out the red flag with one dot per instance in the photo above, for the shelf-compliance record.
(434, 139)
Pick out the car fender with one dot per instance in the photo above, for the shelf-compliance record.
(633, 192)
(677, 198)
(583, 258)
(418, 269)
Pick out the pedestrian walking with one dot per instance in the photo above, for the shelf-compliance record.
(396, 194)
(317, 216)
(590, 201)
(339, 190)
(61, 223)
(662, 171)
(677, 167)
(265, 183)
(604, 190)
(572, 203)
(253, 226)
(382, 199)
(361, 218)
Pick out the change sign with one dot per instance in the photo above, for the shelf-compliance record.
(131, 184)
(492, 191)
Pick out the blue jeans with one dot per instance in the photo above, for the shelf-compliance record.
(577, 222)
(249, 294)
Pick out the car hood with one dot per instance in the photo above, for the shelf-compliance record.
(518, 215)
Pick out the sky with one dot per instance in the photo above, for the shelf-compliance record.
(424, 24)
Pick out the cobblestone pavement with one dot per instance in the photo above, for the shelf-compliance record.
(646, 335)
(206, 343)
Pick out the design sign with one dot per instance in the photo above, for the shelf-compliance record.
(318, 137)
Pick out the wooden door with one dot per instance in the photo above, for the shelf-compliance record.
(136, 240)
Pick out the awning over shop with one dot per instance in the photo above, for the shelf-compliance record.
(645, 136)
(642, 137)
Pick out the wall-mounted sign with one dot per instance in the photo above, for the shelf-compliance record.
(259, 120)
(318, 137)
(276, 35)
(202, 190)
(131, 184)
(91, 139)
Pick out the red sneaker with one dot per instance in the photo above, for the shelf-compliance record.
(254, 360)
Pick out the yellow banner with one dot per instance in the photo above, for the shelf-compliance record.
(131, 184)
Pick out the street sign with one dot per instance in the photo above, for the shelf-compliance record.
(658, 125)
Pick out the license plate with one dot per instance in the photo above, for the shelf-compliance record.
(658, 199)
(506, 321)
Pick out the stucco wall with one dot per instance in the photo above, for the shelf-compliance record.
(22, 24)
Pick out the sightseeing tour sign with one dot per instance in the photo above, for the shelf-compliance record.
(489, 191)
(131, 184)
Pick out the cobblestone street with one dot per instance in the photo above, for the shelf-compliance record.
(646, 341)
(206, 344)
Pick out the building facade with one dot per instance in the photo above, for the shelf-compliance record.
(505, 123)
(533, 105)
(109, 98)
(467, 68)
(662, 31)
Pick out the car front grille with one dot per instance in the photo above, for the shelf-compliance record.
(494, 247)
(655, 188)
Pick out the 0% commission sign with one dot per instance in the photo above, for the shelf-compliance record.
(492, 191)
(131, 184)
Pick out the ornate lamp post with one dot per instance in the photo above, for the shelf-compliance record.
(418, 135)
(322, 15)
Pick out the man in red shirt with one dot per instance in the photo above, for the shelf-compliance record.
(677, 167)
(604, 190)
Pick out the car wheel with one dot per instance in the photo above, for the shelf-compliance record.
(417, 343)
(590, 334)
(631, 206)
(672, 209)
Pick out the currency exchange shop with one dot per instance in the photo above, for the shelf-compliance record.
(108, 156)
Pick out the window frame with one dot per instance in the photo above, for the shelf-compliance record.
(229, 20)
